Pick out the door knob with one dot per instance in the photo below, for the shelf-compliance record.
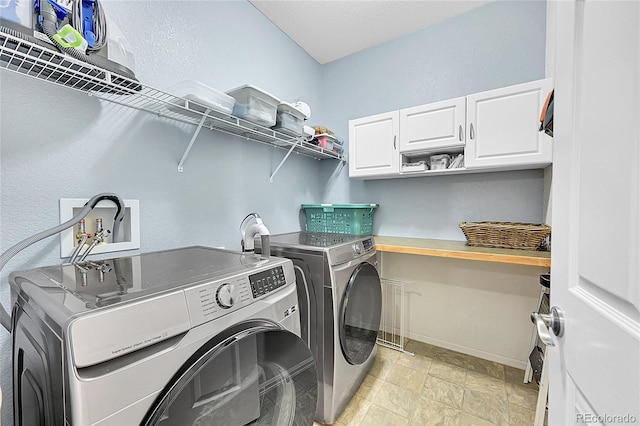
(553, 321)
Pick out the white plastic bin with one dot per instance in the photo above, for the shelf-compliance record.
(289, 120)
(255, 105)
(199, 92)
(439, 162)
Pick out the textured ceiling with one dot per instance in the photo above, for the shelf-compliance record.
(330, 29)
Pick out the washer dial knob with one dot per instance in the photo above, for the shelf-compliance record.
(227, 295)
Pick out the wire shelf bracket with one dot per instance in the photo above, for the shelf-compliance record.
(193, 139)
(281, 163)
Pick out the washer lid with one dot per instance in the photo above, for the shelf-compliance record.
(96, 284)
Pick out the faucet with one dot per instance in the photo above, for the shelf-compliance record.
(249, 230)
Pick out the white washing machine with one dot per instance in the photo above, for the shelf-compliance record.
(188, 336)
(340, 303)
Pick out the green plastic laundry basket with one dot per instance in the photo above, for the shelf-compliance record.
(354, 219)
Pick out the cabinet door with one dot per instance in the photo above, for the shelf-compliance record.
(502, 127)
(373, 146)
(433, 126)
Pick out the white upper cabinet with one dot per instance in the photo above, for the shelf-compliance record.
(433, 126)
(373, 145)
(503, 127)
(496, 130)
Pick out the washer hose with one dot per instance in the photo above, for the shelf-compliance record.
(5, 317)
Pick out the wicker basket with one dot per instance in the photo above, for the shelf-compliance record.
(514, 235)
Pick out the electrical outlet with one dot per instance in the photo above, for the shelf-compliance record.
(105, 211)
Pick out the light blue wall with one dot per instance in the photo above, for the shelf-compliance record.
(96, 147)
(57, 143)
(496, 45)
(61, 143)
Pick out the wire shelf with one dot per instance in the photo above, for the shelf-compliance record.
(24, 57)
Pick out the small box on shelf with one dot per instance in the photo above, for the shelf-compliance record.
(328, 142)
(202, 95)
(432, 162)
(289, 120)
(255, 105)
(439, 161)
(414, 166)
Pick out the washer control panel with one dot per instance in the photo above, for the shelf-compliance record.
(267, 281)
(211, 300)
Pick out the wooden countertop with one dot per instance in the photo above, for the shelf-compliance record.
(460, 250)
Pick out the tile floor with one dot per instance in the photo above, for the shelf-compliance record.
(439, 387)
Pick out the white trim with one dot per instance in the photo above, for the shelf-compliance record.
(516, 363)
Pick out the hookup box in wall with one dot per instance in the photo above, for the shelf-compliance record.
(105, 210)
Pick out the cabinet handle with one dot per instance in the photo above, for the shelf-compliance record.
(394, 141)
(460, 133)
(471, 131)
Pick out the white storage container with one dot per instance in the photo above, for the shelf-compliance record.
(196, 91)
(254, 105)
(418, 166)
(308, 132)
(289, 119)
(439, 162)
(328, 142)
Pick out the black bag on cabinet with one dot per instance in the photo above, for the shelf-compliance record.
(546, 117)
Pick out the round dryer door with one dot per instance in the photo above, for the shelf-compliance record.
(360, 314)
(252, 374)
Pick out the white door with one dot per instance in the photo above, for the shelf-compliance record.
(595, 366)
(373, 145)
(502, 127)
(433, 126)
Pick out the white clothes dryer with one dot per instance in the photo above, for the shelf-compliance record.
(191, 336)
(340, 303)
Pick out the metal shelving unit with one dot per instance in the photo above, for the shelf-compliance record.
(30, 59)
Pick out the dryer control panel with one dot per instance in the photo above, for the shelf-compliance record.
(368, 244)
(352, 250)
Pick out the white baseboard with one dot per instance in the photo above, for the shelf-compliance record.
(516, 363)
